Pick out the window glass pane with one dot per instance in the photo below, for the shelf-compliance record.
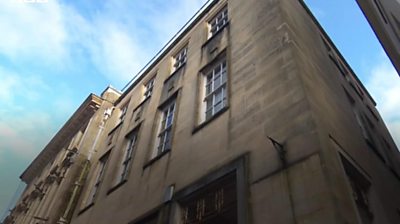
(172, 107)
(215, 97)
(163, 121)
(217, 82)
(180, 58)
(169, 120)
(218, 107)
(218, 21)
(148, 87)
(218, 96)
(223, 77)
(217, 70)
(209, 78)
(208, 103)
(167, 140)
(161, 144)
(130, 148)
(164, 136)
(208, 89)
(208, 114)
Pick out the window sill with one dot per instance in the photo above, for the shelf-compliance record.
(86, 208)
(175, 72)
(117, 186)
(373, 148)
(215, 34)
(394, 173)
(216, 115)
(169, 99)
(355, 90)
(116, 127)
(143, 102)
(153, 160)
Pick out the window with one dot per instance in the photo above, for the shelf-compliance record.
(152, 219)
(344, 70)
(215, 94)
(218, 22)
(128, 156)
(362, 124)
(215, 203)
(381, 11)
(99, 178)
(110, 138)
(372, 113)
(180, 59)
(164, 137)
(124, 109)
(354, 85)
(138, 113)
(366, 126)
(360, 190)
(148, 88)
(335, 58)
(113, 134)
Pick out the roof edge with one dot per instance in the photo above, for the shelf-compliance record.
(92, 102)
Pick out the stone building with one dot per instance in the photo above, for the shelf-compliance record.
(52, 176)
(250, 115)
(384, 18)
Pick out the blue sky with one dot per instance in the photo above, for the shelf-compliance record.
(52, 55)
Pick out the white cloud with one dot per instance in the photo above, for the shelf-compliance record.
(32, 32)
(30, 87)
(24, 126)
(25, 135)
(171, 16)
(115, 52)
(112, 38)
(115, 41)
(125, 36)
(118, 39)
(7, 84)
(395, 130)
(384, 85)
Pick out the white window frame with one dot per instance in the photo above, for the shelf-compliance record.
(362, 125)
(180, 59)
(124, 110)
(164, 134)
(99, 179)
(110, 138)
(138, 113)
(128, 157)
(148, 88)
(215, 97)
(218, 22)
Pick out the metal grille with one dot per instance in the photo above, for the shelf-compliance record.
(215, 204)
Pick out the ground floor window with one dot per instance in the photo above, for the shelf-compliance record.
(360, 191)
(215, 203)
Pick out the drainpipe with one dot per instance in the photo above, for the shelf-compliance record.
(282, 156)
(65, 218)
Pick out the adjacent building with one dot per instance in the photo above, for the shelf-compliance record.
(250, 115)
(384, 18)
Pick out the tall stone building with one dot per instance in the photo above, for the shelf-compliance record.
(384, 18)
(250, 115)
